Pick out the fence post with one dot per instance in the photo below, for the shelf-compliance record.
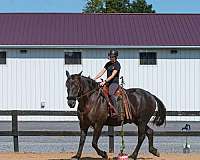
(15, 131)
(111, 138)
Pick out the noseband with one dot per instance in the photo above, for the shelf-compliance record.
(72, 98)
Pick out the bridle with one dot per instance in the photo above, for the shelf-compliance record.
(85, 94)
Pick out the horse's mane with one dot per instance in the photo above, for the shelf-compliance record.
(91, 83)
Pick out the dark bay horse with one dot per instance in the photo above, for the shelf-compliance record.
(92, 111)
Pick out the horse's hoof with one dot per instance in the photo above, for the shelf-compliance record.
(155, 152)
(76, 157)
(104, 155)
(132, 156)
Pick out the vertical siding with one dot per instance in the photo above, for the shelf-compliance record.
(175, 78)
(28, 79)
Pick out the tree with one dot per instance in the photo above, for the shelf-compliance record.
(141, 6)
(118, 6)
(94, 6)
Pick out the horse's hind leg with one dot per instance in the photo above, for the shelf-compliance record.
(81, 143)
(141, 137)
(96, 135)
(149, 133)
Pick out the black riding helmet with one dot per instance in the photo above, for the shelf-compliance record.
(113, 52)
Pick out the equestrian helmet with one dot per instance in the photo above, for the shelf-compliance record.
(113, 52)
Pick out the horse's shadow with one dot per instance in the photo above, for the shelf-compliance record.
(84, 158)
(139, 158)
(115, 158)
(89, 158)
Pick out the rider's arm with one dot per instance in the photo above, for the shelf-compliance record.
(100, 73)
(112, 76)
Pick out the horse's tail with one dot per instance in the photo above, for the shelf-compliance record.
(160, 117)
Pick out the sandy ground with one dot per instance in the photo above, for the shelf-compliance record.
(92, 156)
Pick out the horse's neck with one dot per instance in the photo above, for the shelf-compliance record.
(87, 86)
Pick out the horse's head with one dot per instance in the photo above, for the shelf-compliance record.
(73, 88)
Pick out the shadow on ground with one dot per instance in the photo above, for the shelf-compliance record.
(115, 158)
(83, 158)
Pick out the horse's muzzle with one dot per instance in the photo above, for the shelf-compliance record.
(71, 103)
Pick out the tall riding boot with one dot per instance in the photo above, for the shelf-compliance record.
(113, 111)
(114, 103)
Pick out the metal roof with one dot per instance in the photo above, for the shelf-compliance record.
(100, 29)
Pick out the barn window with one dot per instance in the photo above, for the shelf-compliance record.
(23, 51)
(72, 57)
(2, 57)
(174, 51)
(148, 58)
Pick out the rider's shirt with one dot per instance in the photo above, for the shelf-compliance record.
(110, 67)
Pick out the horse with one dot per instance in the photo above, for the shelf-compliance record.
(93, 112)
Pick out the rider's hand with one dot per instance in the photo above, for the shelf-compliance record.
(102, 83)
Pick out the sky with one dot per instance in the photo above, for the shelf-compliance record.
(76, 6)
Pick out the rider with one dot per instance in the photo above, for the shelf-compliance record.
(113, 69)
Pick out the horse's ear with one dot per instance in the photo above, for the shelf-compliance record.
(80, 73)
(67, 74)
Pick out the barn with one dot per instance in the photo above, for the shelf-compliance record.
(158, 52)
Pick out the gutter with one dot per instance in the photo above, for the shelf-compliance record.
(97, 46)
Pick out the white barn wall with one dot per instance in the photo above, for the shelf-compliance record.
(39, 75)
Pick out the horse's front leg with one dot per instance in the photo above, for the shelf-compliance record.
(96, 135)
(81, 143)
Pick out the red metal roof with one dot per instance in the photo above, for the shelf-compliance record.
(99, 29)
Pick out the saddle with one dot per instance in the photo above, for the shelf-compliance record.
(122, 103)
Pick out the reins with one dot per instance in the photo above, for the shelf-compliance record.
(88, 92)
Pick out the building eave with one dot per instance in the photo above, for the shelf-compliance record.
(96, 47)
